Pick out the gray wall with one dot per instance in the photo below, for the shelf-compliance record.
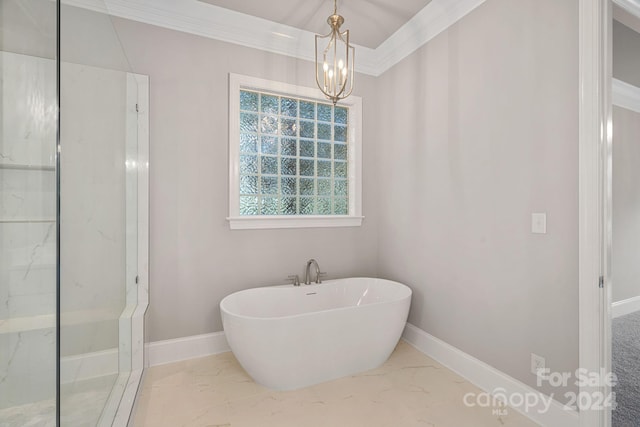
(626, 53)
(626, 204)
(480, 131)
(623, 16)
(195, 259)
(626, 161)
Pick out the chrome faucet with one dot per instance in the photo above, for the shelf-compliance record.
(307, 278)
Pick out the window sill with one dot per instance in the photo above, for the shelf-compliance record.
(297, 221)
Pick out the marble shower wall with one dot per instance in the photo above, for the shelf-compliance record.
(27, 229)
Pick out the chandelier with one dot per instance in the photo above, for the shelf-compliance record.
(335, 60)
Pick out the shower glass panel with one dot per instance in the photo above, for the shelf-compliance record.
(28, 127)
(93, 233)
(99, 223)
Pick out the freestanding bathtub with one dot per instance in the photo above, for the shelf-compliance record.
(288, 337)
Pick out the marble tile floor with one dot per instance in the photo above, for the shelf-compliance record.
(82, 404)
(410, 389)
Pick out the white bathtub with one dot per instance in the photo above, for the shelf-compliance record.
(287, 337)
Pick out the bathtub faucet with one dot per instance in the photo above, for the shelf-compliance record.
(307, 276)
(295, 279)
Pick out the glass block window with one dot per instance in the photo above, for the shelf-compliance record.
(291, 154)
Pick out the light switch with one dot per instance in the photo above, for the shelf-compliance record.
(539, 223)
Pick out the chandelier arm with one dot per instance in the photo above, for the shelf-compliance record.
(341, 36)
(335, 64)
(349, 67)
(317, 80)
(328, 46)
(352, 71)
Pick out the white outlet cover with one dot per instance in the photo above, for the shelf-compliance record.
(539, 223)
(537, 363)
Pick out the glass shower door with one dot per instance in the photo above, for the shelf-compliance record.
(100, 266)
(100, 165)
(93, 237)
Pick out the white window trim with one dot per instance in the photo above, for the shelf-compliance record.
(354, 219)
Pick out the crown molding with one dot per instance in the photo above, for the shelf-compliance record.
(626, 95)
(206, 20)
(631, 6)
(432, 20)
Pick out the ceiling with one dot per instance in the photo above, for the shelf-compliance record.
(370, 21)
(393, 30)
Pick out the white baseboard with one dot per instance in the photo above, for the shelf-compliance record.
(624, 307)
(169, 351)
(100, 363)
(88, 365)
(486, 377)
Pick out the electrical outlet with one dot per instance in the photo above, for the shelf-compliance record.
(539, 223)
(537, 363)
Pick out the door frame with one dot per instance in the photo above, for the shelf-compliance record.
(594, 198)
(595, 194)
